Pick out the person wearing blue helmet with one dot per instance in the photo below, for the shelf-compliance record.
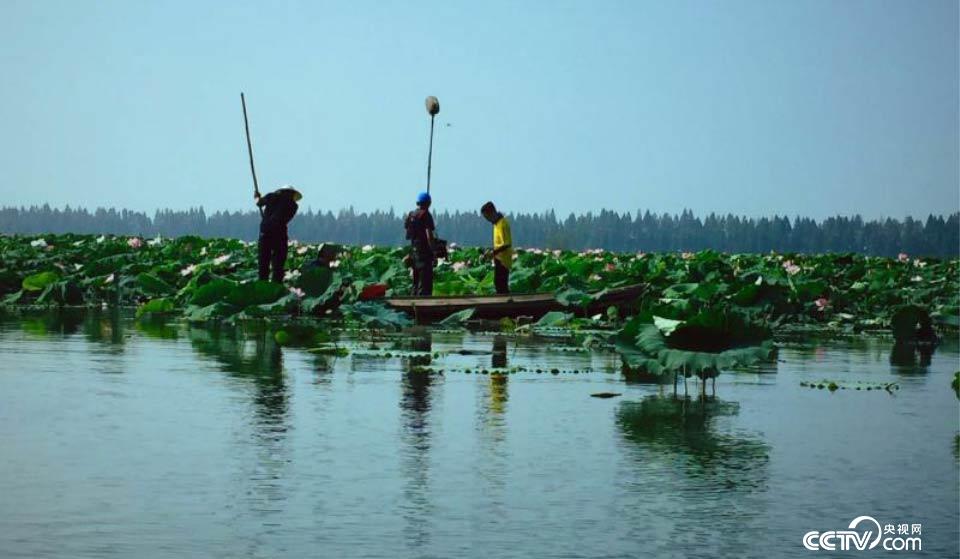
(420, 233)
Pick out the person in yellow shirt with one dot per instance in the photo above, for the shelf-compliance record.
(502, 254)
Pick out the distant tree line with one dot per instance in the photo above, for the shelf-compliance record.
(626, 232)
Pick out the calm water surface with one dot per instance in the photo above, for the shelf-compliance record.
(123, 440)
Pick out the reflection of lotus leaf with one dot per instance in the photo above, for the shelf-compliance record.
(684, 427)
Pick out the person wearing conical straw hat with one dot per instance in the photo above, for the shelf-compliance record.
(277, 209)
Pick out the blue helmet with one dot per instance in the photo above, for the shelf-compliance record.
(423, 198)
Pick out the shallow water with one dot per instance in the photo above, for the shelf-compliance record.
(121, 440)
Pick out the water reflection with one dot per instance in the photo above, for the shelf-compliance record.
(255, 358)
(685, 428)
(910, 357)
(255, 361)
(415, 406)
(498, 382)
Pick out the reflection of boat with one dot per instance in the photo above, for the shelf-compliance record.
(429, 309)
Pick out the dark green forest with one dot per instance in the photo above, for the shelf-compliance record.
(622, 232)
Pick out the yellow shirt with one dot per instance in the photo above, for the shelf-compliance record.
(501, 237)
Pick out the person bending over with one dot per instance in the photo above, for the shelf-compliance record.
(277, 209)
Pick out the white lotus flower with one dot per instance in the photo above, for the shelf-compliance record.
(221, 259)
(203, 251)
(109, 279)
(39, 243)
(188, 270)
(459, 266)
(366, 248)
(78, 243)
(303, 250)
(101, 238)
(335, 264)
(291, 275)
(155, 241)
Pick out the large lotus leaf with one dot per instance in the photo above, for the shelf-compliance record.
(746, 356)
(284, 305)
(153, 285)
(39, 282)
(680, 290)
(649, 340)
(810, 289)
(640, 363)
(375, 315)
(12, 299)
(215, 311)
(554, 319)
(156, 306)
(314, 281)
(573, 298)
(255, 293)
(688, 361)
(458, 317)
(666, 325)
(523, 280)
(214, 291)
(65, 292)
(948, 316)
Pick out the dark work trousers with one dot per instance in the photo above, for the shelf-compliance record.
(422, 274)
(272, 252)
(501, 277)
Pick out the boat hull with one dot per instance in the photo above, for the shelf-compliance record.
(492, 307)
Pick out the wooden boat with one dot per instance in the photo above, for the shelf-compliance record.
(535, 305)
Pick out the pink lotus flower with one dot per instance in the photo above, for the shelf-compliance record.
(459, 266)
(686, 255)
(791, 268)
(298, 292)
(134, 242)
(610, 267)
(821, 303)
(902, 257)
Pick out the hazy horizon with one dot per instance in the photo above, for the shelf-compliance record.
(750, 108)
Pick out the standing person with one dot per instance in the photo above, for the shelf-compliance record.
(502, 254)
(278, 208)
(420, 233)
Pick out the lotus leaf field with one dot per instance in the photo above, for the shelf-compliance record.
(723, 307)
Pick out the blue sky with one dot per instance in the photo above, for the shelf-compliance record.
(808, 107)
